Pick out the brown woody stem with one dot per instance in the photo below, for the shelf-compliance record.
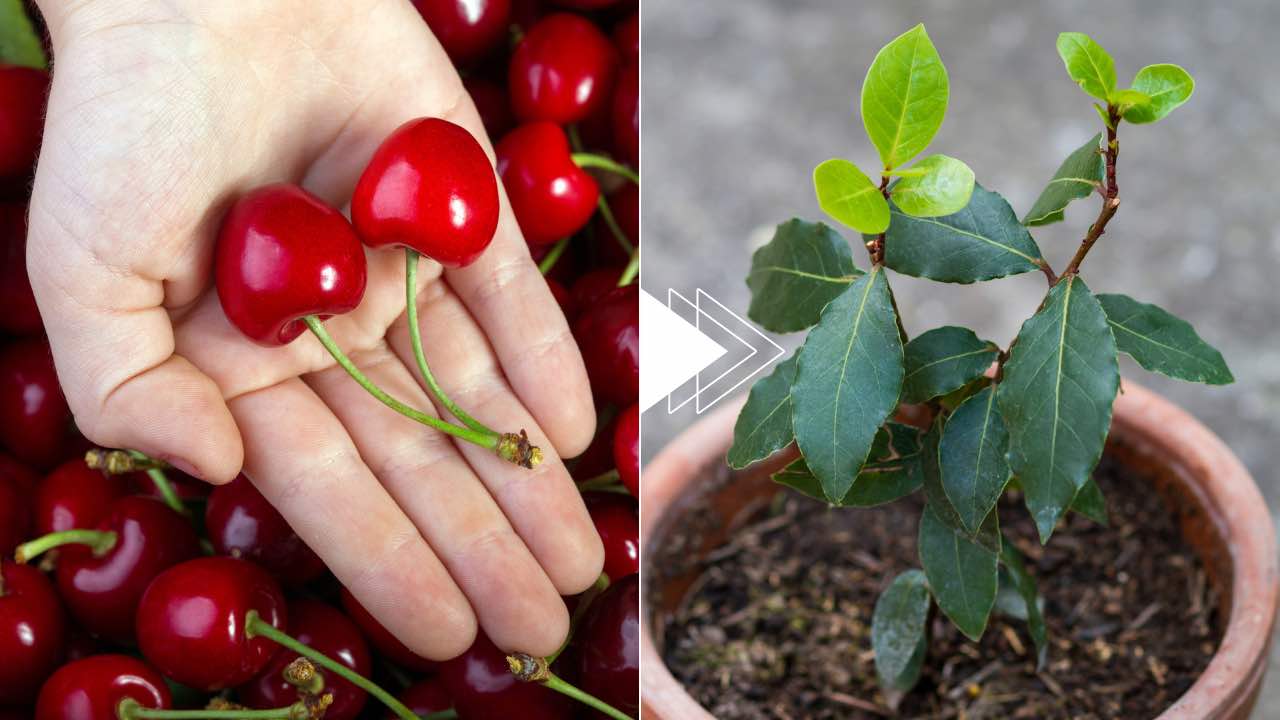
(1110, 199)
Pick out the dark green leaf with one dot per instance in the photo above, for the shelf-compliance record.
(904, 97)
(941, 360)
(936, 495)
(1163, 343)
(952, 400)
(1090, 503)
(764, 425)
(937, 185)
(1076, 178)
(971, 455)
(848, 195)
(962, 574)
(981, 242)
(1088, 64)
(1167, 86)
(1056, 396)
(19, 43)
(898, 630)
(1015, 573)
(848, 381)
(793, 277)
(875, 485)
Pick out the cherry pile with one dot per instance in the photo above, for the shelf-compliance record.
(128, 590)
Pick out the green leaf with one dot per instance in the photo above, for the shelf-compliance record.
(942, 187)
(1163, 343)
(971, 456)
(792, 278)
(1056, 396)
(936, 495)
(981, 242)
(1088, 64)
(961, 573)
(942, 360)
(764, 425)
(1167, 85)
(1091, 503)
(904, 97)
(19, 43)
(893, 470)
(1076, 178)
(848, 195)
(898, 630)
(1126, 100)
(1014, 571)
(847, 382)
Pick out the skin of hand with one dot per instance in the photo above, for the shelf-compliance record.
(160, 115)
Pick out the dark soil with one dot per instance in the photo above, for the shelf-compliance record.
(777, 624)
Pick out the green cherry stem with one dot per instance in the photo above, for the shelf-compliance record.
(130, 709)
(161, 481)
(591, 160)
(554, 682)
(606, 212)
(255, 626)
(415, 338)
(631, 270)
(553, 255)
(99, 541)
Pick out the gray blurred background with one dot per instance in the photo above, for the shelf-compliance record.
(741, 98)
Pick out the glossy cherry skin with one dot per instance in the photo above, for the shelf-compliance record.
(551, 196)
(431, 187)
(23, 92)
(608, 334)
(191, 622)
(617, 519)
(34, 420)
(33, 632)
(386, 644)
(626, 114)
(20, 316)
(102, 591)
(626, 449)
(626, 37)
(284, 254)
(609, 646)
(482, 687)
(562, 71)
(75, 496)
(492, 104)
(93, 688)
(241, 523)
(468, 29)
(15, 516)
(425, 697)
(323, 628)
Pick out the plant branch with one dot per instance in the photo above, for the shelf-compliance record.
(1110, 199)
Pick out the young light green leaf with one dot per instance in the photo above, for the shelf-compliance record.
(971, 456)
(1163, 343)
(904, 97)
(942, 187)
(961, 574)
(1091, 503)
(1056, 396)
(898, 630)
(793, 277)
(847, 382)
(1167, 86)
(848, 195)
(764, 425)
(1014, 572)
(19, 43)
(1088, 64)
(981, 242)
(1126, 100)
(1076, 178)
(942, 360)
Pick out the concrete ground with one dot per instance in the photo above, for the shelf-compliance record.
(743, 97)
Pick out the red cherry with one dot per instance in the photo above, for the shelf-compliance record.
(626, 449)
(24, 477)
(425, 697)
(551, 196)
(20, 316)
(93, 688)
(609, 646)
(626, 37)
(325, 629)
(241, 523)
(482, 687)
(191, 621)
(429, 186)
(102, 590)
(74, 496)
(33, 632)
(617, 519)
(492, 104)
(594, 285)
(608, 334)
(562, 71)
(626, 114)
(34, 420)
(382, 639)
(15, 515)
(468, 29)
(23, 92)
(283, 254)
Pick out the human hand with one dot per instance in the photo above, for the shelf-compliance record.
(160, 115)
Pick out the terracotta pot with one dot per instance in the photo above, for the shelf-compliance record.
(1222, 513)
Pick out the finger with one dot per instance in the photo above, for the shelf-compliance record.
(543, 504)
(513, 598)
(304, 463)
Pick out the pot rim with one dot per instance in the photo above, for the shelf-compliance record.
(1229, 494)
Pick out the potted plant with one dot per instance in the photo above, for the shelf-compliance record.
(963, 430)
